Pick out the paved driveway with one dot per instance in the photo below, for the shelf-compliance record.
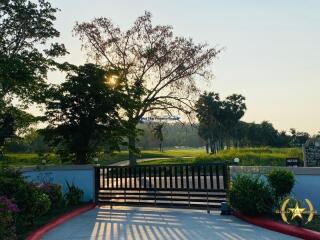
(139, 223)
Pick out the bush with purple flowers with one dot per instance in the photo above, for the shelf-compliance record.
(54, 192)
(7, 218)
(31, 201)
(7, 205)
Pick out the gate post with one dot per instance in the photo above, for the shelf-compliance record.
(226, 176)
(96, 184)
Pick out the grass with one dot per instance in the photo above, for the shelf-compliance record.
(255, 156)
(32, 159)
(166, 161)
(29, 159)
(42, 220)
(248, 157)
(173, 153)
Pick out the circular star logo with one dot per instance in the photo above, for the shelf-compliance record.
(296, 212)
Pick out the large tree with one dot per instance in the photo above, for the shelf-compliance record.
(218, 119)
(82, 113)
(210, 129)
(158, 134)
(161, 70)
(26, 27)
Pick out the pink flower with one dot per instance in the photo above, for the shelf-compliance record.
(6, 205)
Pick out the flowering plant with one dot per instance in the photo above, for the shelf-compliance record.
(7, 223)
(53, 191)
(6, 205)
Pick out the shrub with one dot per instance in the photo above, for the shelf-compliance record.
(251, 195)
(281, 181)
(7, 224)
(30, 200)
(253, 156)
(42, 204)
(54, 192)
(32, 203)
(74, 195)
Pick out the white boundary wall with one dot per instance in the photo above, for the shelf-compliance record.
(81, 176)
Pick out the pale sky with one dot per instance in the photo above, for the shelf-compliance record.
(271, 48)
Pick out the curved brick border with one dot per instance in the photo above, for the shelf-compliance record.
(36, 235)
(280, 227)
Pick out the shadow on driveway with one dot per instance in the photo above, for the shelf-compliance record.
(139, 223)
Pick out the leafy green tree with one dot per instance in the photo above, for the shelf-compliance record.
(208, 108)
(25, 29)
(233, 110)
(82, 113)
(218, 118)
(157, 131)
(159, 68)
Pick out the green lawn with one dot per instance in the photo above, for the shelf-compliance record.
(122, 156)
(28, 159)
(248, 156)
(32, 159)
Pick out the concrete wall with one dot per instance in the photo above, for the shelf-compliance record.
(307, 183)
(81, 176)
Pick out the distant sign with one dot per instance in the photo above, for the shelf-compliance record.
(160, 118)
(293, 162)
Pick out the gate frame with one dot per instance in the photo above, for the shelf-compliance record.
(225, 175)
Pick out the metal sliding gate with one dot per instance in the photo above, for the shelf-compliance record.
(200, 186)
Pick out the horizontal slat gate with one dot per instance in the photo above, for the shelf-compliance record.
(168, 185)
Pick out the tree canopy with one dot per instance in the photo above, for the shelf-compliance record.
(26, 27)
(160, 70)
(218, 118)
(82, 114)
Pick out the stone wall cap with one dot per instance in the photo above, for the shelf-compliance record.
(57, 168)
(266, 169)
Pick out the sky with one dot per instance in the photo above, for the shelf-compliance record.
(271, 48)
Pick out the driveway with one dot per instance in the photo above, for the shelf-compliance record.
(126, 162)
(139, 223)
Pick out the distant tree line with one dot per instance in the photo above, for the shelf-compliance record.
(177, 135)
(220, 126)
(264, 134)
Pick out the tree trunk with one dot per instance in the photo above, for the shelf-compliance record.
(132, 152)
(212, 147)
(207, 147)
(81, 157)
(216, 148)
